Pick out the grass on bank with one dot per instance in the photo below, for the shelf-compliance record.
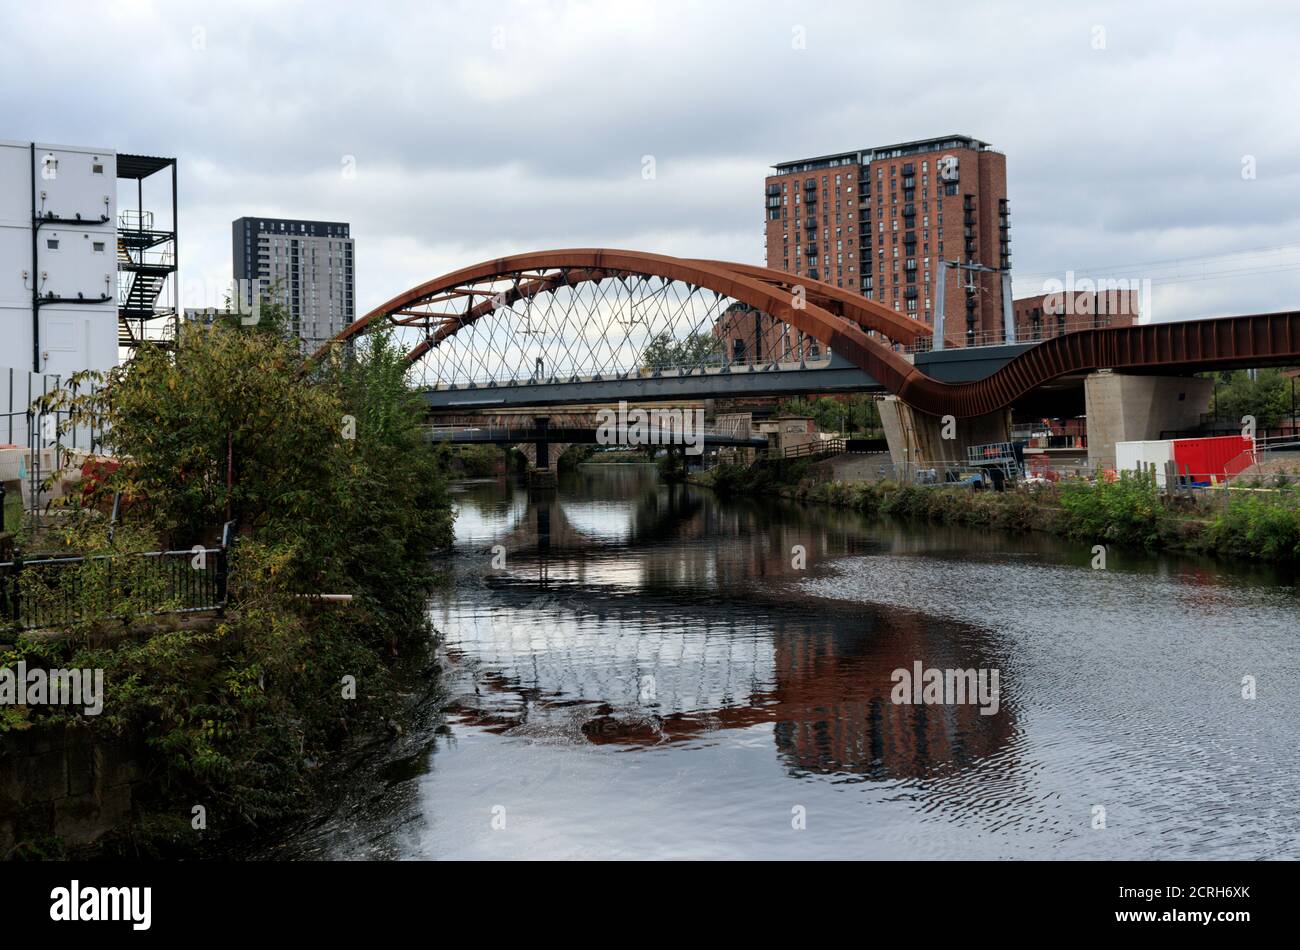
(1131, 510)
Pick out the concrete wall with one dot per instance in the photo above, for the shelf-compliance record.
(1126, 408)
(916, 438)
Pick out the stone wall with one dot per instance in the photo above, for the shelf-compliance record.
(64, 782)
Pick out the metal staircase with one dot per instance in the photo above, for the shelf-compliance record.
(146, 263)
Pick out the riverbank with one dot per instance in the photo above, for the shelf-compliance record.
(201, 734)
(1256, 525)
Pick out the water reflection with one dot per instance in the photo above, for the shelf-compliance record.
(648, 675)
(655, 672)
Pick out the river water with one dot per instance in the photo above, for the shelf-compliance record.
(641, 670)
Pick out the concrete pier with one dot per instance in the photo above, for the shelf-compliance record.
(916, 438)
(1129, 408)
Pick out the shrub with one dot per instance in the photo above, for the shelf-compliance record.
(1124, 511)
(1261, 528)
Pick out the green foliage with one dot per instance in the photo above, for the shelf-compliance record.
(765, 475)
(334, 490)
(475, 461)
(1267, 397)
(1127, 510)
(667, 352)
(1262, 527)
(672, 466)
(856, 413)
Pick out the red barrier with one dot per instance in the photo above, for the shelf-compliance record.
(1220, 456)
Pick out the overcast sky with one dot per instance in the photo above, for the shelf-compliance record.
(448, 133)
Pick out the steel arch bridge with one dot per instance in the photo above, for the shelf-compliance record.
(571, 315)
(584, 314)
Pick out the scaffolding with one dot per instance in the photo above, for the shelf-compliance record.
(1003, 461)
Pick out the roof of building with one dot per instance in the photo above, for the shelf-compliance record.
(140, 166)
(882, 151)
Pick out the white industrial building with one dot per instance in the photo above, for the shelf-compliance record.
(58, 258)
(82, 281)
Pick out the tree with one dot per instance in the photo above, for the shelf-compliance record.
(856, 413)
(1267, 397)
(334, 489)
(667, 352)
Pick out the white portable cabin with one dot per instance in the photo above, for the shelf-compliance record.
(1135, 456)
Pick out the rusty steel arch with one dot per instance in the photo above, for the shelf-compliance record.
(841, 321)
(868, 314)
(597, 263)
(770, 295)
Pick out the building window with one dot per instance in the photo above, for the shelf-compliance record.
(97, 247)
(52, 243)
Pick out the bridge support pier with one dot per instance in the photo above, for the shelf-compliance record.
(916, 439)
(541, 474)
(1126, 408)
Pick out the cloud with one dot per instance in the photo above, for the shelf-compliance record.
(480, 129)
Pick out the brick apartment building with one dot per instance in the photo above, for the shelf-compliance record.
(1048, 315)
(748, 335)
(877, 222)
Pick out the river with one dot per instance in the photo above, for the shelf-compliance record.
(642, 670)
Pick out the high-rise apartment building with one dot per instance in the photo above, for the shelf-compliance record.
(306, 264)
(879, 221)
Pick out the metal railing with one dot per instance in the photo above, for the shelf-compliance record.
(996, 337)
(53, 591)
(710, 367)
(811, 449)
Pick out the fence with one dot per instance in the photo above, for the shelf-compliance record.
(42, 444)
(46, 591)
(811, 449)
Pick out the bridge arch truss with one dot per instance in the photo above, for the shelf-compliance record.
(591, 313)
